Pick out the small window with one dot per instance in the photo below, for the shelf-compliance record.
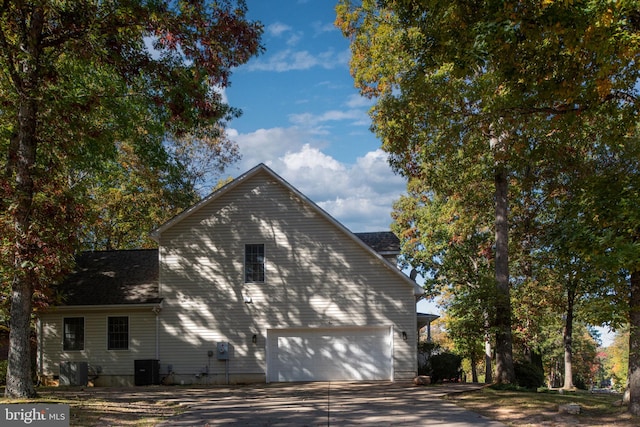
(118, 333)
(254, 263)
(73, 333)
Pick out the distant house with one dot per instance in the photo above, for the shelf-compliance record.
(255, 283)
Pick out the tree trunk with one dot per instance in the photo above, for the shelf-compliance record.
(19, 375)
(504, 348)
(567, 339)
(19, 378)
(474, 370)
(634, 344)
(21, 166)
(488, 371)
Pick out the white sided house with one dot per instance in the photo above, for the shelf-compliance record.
(255, 283)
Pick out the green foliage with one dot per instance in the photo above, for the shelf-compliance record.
(528, 375)
(122, 131)
(426, 350)
(445, 366)
(80, 86)
(617, 359)
(544, 93)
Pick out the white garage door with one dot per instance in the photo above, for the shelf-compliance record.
(332, 354)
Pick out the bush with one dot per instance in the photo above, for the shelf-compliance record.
(579, 382)
(445, 366)
(425, 351)
(529, 375)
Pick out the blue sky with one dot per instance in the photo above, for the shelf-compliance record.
(303, 117)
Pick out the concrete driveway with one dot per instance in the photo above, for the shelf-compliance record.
(325, 404)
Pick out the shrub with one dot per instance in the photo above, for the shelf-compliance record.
(529, 375)
(445, 366)
(579, 382)
(425, 351)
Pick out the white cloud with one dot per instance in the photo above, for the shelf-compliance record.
(310, 120)
(277, 29)
(294, 39)
(298, 60)
(358, 101)
(263, 145)
(359, 195)
(320, 28)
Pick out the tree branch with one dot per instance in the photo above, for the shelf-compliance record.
(7, 53)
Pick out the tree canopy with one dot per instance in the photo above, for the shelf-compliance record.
(494, 102)
(90, 86)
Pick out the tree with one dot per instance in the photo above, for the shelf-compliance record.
(617, 360)
(455, 258)
(78, 77)
(567, 267)
(461, 81)
(130, 195)
(611, 194)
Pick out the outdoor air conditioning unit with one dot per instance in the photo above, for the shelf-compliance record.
(147, 372)
(74, 373)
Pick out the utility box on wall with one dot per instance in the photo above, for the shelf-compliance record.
(223, 351)
(74, 373)
(147, 372)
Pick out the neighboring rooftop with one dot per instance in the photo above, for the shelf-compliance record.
(384, 242)
(113, 277)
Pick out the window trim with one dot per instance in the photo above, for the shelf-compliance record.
(64, 334)
(109, 348)
(263, 264)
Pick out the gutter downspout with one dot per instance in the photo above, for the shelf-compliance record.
(156, 310)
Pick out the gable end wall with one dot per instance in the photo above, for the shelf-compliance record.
(316, 277)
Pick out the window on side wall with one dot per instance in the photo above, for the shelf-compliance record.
(118, 334)
(73, 328)
(254, 263)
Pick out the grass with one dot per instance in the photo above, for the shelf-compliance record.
(104, 410)
(521, 408)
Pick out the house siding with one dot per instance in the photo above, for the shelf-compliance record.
(114, 366)
(316, 276)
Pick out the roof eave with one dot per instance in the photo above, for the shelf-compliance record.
(103, 307)
(155, 234)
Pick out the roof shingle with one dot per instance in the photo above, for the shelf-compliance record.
(381, 241)
(113, 277)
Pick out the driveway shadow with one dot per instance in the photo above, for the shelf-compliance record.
(322, 404)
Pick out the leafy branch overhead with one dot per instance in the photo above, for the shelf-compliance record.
(90, 86)
(517, 118)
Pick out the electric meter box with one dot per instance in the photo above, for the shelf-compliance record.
(223, 351)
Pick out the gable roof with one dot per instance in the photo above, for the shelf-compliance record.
(131, 276)
(262, 168)
(113, 277)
